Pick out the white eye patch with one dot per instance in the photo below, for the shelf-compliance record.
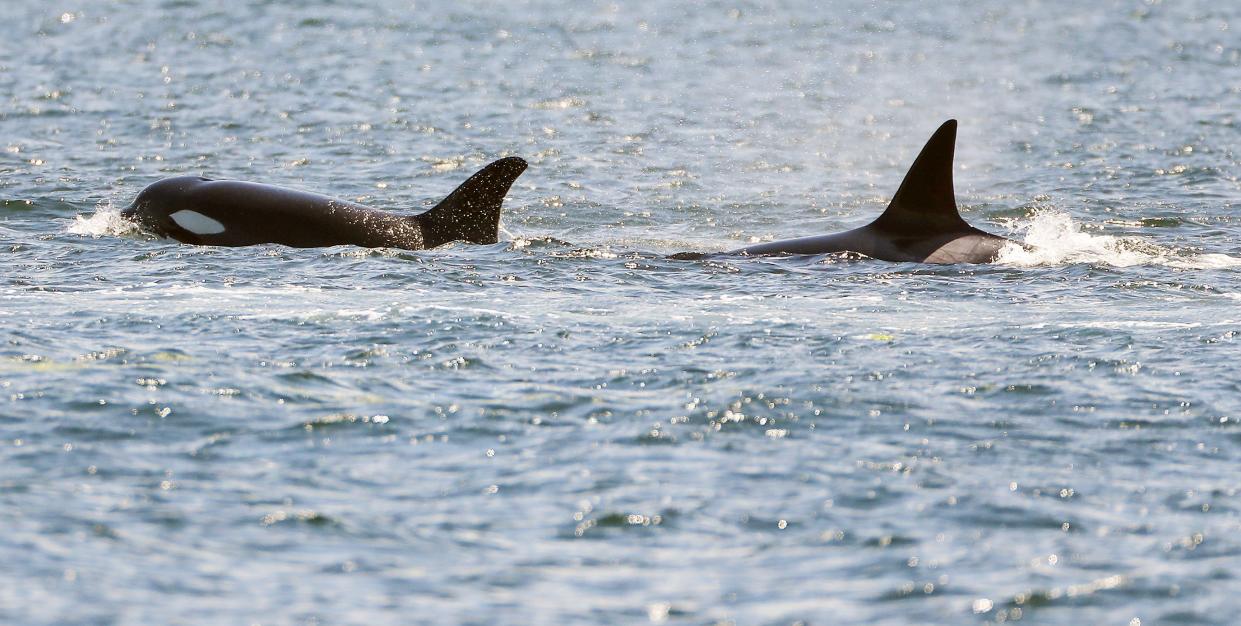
(197, 223)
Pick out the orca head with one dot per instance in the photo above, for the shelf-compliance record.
(166, 208)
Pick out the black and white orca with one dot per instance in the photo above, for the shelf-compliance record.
(921, 223)
(196, 210)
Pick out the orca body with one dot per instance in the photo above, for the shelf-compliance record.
(921, 224)
(209, 212)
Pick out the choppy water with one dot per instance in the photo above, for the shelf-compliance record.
(568, 428)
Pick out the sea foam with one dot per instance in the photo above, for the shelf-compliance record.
(1054, 238)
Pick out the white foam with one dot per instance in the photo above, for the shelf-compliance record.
(104, 221)
(197, 223)
(1053, 238)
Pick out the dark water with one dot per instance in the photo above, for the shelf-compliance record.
(568, 428)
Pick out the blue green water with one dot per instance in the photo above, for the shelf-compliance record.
(569, 428)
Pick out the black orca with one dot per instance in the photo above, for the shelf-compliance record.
(209, 212)
(921, 223)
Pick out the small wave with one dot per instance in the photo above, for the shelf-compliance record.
(1053, 238)
(104, 221)
(520, 243)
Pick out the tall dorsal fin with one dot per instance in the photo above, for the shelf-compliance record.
(472, 211)
(925, 202)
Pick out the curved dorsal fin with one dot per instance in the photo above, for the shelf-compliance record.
(472, 211)
(925, 202)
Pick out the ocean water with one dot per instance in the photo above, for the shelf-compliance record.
(567, 427)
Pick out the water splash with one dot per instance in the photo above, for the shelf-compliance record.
(1053, 238)
(105, 221)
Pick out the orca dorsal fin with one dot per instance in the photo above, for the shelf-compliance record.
(472, 211)
(925, 202)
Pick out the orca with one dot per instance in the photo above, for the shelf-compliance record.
(921, 223)
(202, 211)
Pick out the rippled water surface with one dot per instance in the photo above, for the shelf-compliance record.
(568, 427)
